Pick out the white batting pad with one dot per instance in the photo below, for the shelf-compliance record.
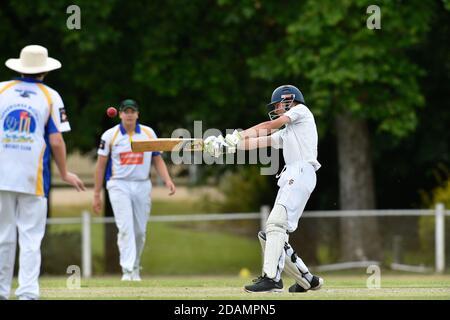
(295, 269)
(276, 237)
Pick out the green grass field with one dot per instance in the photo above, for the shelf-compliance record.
(336, 287)
(203, 248)
(181, 262)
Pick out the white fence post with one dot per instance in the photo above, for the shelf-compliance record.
(265, 211)
(264, 214)
(440, 238)
(86, 255)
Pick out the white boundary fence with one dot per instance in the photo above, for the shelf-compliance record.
(439, 213)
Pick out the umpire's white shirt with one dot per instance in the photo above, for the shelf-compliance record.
(299, 139)
(123, 164)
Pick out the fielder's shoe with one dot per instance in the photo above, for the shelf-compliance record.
(135, 276)
(25, 297)
(127, 276)
(264, 284)
(316, 284)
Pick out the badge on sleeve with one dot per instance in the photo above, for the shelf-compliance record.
(63, 115)
(102, 145)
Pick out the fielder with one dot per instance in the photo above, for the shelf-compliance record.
(32, 117)
(129, 185)
(296, 181)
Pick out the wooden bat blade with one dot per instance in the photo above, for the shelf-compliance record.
(167, 144)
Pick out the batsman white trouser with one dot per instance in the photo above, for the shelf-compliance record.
(296, 182)
(25, 214)
(130, 201)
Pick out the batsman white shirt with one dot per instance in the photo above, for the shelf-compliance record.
(299, 138)
(123, 163)
(29, 112)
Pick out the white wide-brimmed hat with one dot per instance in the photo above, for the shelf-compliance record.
(33, 59)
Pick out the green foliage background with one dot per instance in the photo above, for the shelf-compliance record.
(218, 61)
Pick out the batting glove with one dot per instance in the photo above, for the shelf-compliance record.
(215, 145)
(209, 145)
(222, 146)
(233, 139)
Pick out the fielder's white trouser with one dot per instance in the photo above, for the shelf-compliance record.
(296, 182)
(130, 201)
(25, 214)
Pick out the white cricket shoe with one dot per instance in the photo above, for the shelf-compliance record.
(25, 297)
(127, 276)
(135, 276)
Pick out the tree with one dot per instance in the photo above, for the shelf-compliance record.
(401, 182)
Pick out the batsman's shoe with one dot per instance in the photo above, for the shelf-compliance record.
(316, 284)
(265, 284)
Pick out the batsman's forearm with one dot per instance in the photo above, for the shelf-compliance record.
(253, 143)
(262, 129)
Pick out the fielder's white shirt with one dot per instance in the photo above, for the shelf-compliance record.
(299, 138)
(124, 164)
(29, 112)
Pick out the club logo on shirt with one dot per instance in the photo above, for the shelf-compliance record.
(18, 126)
(128, 158)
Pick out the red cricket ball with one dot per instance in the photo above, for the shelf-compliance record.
(111, 112)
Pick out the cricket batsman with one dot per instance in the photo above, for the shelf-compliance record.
(298, 138)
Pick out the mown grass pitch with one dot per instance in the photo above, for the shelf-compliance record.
(336, 287)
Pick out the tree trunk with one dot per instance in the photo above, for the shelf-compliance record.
(360, 239)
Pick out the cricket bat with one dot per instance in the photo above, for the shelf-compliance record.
(167, 144)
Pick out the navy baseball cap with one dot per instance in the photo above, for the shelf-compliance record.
(129, 104)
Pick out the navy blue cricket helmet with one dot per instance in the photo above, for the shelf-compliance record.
(286, 92)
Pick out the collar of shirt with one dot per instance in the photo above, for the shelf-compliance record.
(25, 79)
(123, 131)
